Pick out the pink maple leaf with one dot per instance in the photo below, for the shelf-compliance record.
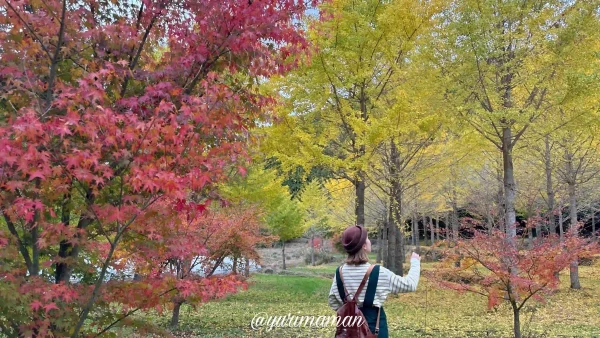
(35, 305)
(37, 174)
(51, 306)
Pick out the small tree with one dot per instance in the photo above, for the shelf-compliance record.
(488, 263)
(212, 236)
(286, 223)
(263, 189)
(313, 202)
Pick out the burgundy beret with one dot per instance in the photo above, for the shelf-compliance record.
(353, 238)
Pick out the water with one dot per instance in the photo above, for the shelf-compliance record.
(224, 268)
(227, 265)
(129, 271)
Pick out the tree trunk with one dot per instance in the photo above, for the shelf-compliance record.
(399, 259)
(561, 229)
(392, 242)
(234, 265)
(433, 234)
(62, 272)
(490, 221)
(283, 253)
(35, 248)
(396, 219)
(417, 236)
(399, 251)
(360, 186)
(398, 225)
(500, 196)
(413, 222)
(360, 199)
(516, 320)
(424, 219)
(594, 235)
(538, 225)
(509, 184)
(384, 250)
(552, 221)
(431, 231)
(446, 224)
(455, 222)
(312, 249)
(510, 216)
(574, 266)
(247, 267)
(379, 242)
(66, 249)
(437, 228)
(175, 316)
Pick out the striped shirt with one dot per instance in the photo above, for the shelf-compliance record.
(388, 282)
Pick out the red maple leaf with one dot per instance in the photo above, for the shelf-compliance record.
(37, 174)
(51, 306)
(201, 208)
(35, 305)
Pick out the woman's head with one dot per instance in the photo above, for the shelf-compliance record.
(357, 244)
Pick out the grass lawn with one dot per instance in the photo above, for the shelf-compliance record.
(429, 312)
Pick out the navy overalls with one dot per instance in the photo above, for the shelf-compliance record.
(368, 309)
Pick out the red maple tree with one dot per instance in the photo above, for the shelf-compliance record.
(190, 245)
(504, 268)
(106, 109)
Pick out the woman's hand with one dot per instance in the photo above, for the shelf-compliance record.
(415, 255)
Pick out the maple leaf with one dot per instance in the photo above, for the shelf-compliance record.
(35, 305)
(95, 95)
(51, 306)
(201, 208)
(37, 174)
(63, 130)
(42, 243)
(123, 63)
(73, 161)
(10, 160)
(180, 205)
(165, 106)
(202, 180)
(117, 215)
(14, 185)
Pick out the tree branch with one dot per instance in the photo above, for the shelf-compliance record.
(55, 58)
(29, 29)
(22, 248)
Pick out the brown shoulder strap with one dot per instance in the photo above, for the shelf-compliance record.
(362, 284)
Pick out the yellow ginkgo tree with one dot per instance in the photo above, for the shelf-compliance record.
(314, 203)
(331, 105)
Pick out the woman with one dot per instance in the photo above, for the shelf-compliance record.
(380, 282)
